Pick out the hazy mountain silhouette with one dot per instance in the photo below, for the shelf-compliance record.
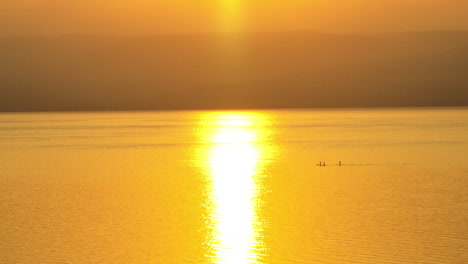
(220, 71)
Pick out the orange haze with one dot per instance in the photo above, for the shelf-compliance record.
(22, 17)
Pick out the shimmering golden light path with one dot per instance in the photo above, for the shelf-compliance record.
(234, 162)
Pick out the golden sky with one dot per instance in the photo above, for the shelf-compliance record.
(156, 16)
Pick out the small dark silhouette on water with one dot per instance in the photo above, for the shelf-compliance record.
(341, 164)
(323, 164)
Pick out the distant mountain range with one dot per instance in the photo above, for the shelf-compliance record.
(233, 71)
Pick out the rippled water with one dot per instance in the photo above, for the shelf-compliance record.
(235, 187)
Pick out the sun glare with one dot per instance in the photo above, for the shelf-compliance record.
(233, 159)
(230, 15)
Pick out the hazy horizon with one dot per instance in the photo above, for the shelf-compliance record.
(44, 17)
(246, 33)
(241, 71)
(231, 54)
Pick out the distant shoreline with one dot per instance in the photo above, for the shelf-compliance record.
(287, 70)
(403, 108)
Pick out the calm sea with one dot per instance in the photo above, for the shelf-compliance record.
(235, 187)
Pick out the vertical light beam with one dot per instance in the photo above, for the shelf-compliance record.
(234, 160)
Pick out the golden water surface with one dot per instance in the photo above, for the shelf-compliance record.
(235, 187)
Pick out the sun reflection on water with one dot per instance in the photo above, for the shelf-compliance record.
(234, 159)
